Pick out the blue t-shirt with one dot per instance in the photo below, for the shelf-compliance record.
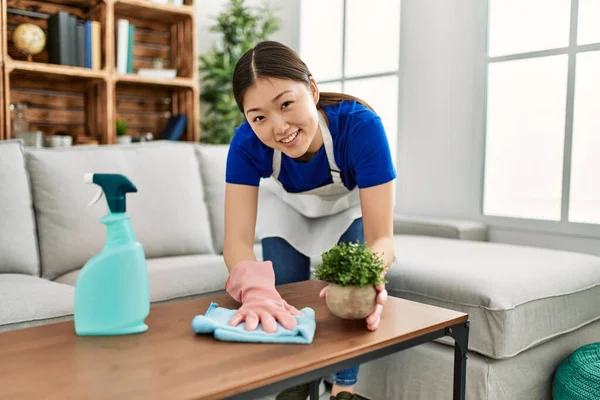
(360, 148)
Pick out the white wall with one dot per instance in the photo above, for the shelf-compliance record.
(439, 48)
(208, 10)
(440, 144)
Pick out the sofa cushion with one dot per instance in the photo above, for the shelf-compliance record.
(176, 277)
(213, 162)
(167, 212)
(30, 300)
(516, 296)
(213, 159)
(18, 242)
(440, 227)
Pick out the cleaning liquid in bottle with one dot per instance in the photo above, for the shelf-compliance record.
(112, 294)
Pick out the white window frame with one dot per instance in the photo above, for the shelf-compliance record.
(343, 79)
(564, 226)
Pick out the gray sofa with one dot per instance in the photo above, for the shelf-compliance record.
(529, 307)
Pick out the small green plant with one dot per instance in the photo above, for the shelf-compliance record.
(351, 263)
(121, 127)
(240, 27)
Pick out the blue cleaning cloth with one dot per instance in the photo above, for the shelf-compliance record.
(216, 320)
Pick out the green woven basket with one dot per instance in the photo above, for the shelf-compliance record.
(578, 377)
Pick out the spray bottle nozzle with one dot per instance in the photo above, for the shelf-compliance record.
(114, 187)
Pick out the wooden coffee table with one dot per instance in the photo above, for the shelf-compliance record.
(170, 361)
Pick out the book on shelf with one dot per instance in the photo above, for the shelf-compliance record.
(125, 43)
(174, 128)
(73, 42)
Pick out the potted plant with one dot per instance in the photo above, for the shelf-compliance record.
(240, 27)
(352, 271)
(121, 129)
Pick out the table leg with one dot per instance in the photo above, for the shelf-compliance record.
(314, 389)
(460, 334)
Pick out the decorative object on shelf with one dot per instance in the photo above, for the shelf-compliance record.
(19, 124)
(21, 128)
(58, 141)
(352, 271)
(158, 63)
(29, 39)
(122, 137)
(157, 73)
(144, 137)
(241, 28)
(32, 139)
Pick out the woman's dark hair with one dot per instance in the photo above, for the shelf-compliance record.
(271, 59)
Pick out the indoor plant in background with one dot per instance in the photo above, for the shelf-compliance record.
(121, 128)
(352, 271)
(241, 27)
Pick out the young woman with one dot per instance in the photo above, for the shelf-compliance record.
(328, 178)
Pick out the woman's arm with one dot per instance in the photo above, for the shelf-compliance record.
(250, 282)
(377, 205)
(240, 222)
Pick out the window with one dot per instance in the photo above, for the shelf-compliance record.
(352, 47)
(542, 139)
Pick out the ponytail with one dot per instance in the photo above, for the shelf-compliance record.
(331, 99)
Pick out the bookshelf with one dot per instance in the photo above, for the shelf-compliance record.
(85, 102)
(1, 98)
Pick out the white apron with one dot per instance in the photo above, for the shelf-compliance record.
(312, 221)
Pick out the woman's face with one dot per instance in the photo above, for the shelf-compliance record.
(283, 115)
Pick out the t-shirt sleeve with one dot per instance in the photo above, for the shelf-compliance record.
(245, 162)
(369, 151)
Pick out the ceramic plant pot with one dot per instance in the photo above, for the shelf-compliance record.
(125, 139)
(351, 302)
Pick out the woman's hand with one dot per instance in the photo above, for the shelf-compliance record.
(374, 318)
(252, 283)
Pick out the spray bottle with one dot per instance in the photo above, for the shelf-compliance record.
(112, 294)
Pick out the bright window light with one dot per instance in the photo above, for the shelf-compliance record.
(525, 138)
(519, 26)
(584, 204)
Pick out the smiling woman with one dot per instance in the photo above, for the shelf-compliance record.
(325, 171)
(297, 134)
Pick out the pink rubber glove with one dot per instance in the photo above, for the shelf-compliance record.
(252, 283)
(375, 317)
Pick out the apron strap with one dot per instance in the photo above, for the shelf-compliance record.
(276, 163)
(327, 142)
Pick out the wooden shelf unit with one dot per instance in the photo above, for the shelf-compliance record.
(2, 109)
(84, 102)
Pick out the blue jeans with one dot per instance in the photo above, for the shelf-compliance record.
(292, 266)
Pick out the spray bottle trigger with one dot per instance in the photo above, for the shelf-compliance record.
(97, 197)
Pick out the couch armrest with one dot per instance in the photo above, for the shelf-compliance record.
(440, 227)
